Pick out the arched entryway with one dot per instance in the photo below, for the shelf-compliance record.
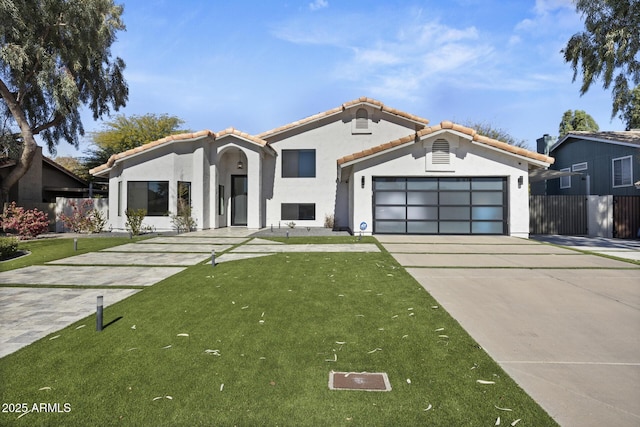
(239, 200)
(233, 190)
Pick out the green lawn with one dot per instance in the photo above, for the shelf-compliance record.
(275, 327)
(46, 250)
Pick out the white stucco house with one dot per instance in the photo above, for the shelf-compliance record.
(372, 168)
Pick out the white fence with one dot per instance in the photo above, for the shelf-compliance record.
(63, 207)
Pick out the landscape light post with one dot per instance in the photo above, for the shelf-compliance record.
(99, 314)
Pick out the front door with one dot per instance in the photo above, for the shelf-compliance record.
(238, 200)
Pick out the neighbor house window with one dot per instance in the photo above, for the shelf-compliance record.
(184, 198)
(298, 211)
(579, 167)
(565, 181)
(298, 163)
(153, 196)
(622, 172)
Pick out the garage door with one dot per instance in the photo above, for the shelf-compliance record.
(404, 205)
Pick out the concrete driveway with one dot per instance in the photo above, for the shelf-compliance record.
(563, 324)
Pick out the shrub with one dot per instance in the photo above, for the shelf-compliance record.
(183, 221)
(84, 218)
(8, 247)
(329, 221)
(27, 223)
(134, 220)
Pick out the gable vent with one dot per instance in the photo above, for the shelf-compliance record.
(362, 119)
(440, 152)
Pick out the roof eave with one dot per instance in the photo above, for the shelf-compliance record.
(590, 138)
(532, 161)
(134, 152)
(339, 110)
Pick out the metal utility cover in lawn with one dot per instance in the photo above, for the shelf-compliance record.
(366, 381)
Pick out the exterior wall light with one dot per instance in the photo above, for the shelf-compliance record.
(240, 165)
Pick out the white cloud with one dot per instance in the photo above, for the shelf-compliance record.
(417, 54)
(549, 15)
(545, 6)
(318, 4)
(376, 57)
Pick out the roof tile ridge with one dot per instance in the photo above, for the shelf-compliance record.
(146, 146)
(378, 148)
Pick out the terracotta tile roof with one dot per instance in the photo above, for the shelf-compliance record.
(337, 110)
(244, 135)
(179, 137)
(453, 126)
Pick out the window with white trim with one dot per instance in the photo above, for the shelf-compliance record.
(622, 171)
(565, 181)
(579, 167)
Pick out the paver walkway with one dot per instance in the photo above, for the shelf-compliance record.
(24, 317)
(29, 314)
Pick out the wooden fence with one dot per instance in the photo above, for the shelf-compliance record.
(569, 215)
(566, 215)
(626, 217)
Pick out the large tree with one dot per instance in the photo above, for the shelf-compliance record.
(74, 165)
(123, 133)
(490, 131)
(55, 57)
(631, 113)
(608, 48)
(577, 120)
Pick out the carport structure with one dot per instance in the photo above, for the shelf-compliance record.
(564, 324)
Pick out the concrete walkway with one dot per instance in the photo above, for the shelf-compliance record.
(28, 314)
(626, 249)
(563, 324)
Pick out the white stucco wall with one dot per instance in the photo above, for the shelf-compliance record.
(332, 139)
(171, 163)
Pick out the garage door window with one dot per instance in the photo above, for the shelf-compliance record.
(440, 205)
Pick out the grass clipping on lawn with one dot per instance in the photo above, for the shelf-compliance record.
(252, 342)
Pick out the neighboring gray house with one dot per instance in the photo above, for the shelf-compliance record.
(593, 163)
(44, 181)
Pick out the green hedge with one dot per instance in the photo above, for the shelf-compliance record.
(8, 247)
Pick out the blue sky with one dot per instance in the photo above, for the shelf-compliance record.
(257, 65)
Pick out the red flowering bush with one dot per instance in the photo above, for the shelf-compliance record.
(27, 223)
(84, 218)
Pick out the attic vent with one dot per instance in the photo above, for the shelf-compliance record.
(362, 119)
(440, 152)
